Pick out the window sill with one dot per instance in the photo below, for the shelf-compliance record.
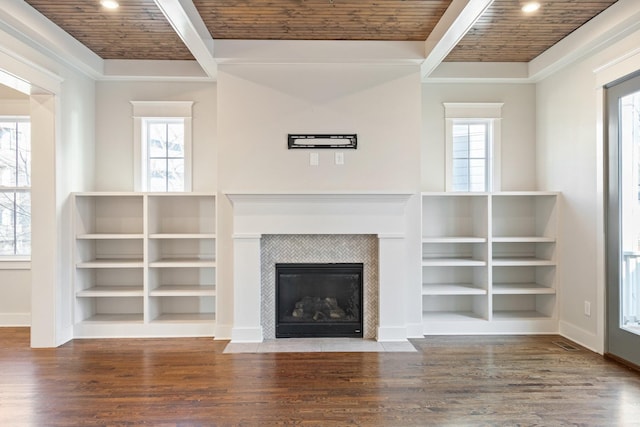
(15, 263)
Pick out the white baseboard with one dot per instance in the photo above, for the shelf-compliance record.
(246, 335)
(582, 337)
(222, 332)
(415, 330)
(392, 333)
(15, 319)
(65, 335)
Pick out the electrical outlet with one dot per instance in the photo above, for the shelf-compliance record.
(314, 159)
(587, 308)
(339, 158)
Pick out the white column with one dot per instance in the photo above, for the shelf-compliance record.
(391, 316)
(246, 289)
(45, 288)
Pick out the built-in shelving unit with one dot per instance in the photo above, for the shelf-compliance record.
(489, 262)
(145, 264)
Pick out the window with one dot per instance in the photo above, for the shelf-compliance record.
(15, 187)
(162, 146)
(471, 160)
(473, 146)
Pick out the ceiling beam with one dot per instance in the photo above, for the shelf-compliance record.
(187, 23)
(454, 24)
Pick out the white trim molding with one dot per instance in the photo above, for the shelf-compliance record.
(15, 319)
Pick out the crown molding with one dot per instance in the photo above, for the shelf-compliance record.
(28, 27)
(22, 21)
(614, 23)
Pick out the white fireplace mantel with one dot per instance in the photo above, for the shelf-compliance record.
(319, 213)
(378, 213)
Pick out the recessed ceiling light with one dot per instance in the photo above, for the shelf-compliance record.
(109, 4)
(530, 7)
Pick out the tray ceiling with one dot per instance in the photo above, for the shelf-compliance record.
(504, 34)
(398, 20)
(139, 30)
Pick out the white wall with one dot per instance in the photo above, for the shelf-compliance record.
(518, 170)
(569, 156)
(15, 297)
(258, 105)
(114, 130)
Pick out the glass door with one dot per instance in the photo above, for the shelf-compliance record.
(623, 220)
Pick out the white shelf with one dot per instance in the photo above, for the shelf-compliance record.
(522, 261)
(522, 289)
(111, 291)
(534, 194)
(183, 263)
(183, 290)
(518, 315)
(115, 318)
(181, 214)
(110, 236)
(451, 316)
(177, 236)
(185, 317)
(454, 240)
(524, 239)
(111, 263)
(131, 249)
(489, 257)
(452, 262)
(452, 289)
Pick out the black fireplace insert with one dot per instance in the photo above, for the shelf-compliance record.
(319, 300)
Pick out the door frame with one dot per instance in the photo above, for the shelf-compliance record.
(611, 205)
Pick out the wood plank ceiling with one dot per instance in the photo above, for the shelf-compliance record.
(504, 34)
(136, 30)
(322, 19)
(139, 30)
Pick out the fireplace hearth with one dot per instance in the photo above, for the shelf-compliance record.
(319, 300)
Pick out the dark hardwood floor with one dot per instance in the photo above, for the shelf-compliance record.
(450, 381)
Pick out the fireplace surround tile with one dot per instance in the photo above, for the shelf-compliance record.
(318, 248)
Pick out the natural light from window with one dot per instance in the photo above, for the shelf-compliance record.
(165, 145)
(15, 187)
(470, 159)
(162, 146)
(472, 146)
(630, 185)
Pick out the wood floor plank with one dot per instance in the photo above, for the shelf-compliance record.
(475, 381)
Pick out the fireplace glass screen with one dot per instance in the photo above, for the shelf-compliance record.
(318, 300)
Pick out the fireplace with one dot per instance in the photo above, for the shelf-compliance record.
(257, 217)
(319, 300)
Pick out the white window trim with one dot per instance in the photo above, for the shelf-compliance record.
(18, 262)
(490, 112)
(160, 110)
